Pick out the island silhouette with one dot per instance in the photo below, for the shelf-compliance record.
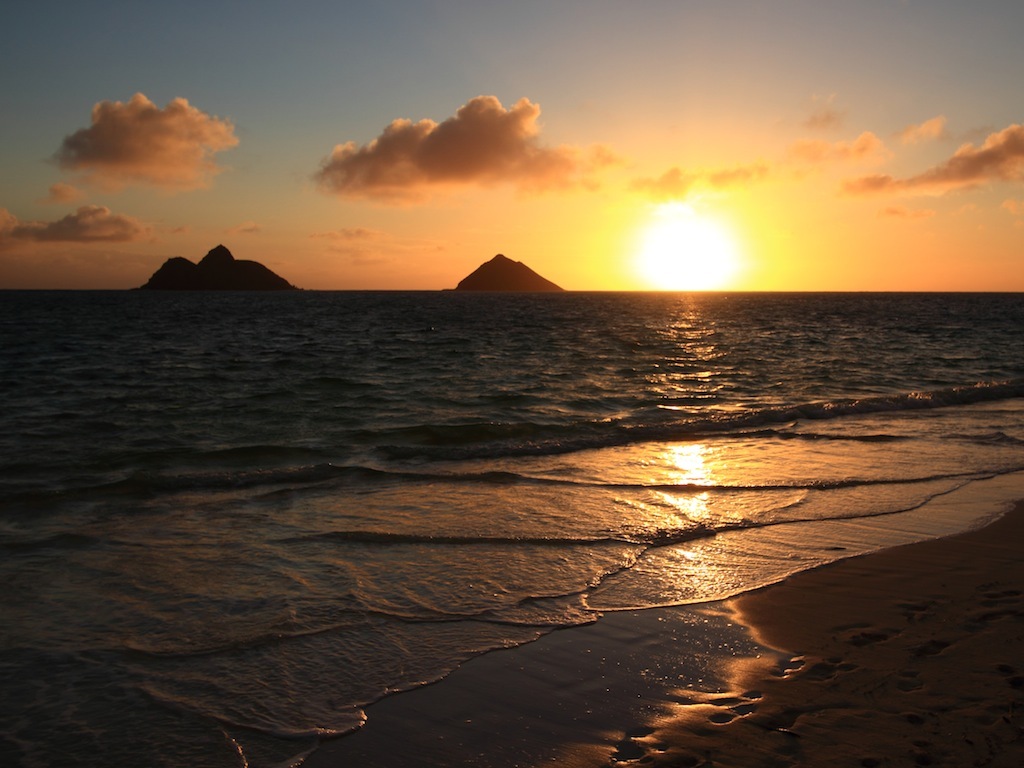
(503, 274)
(218, 271)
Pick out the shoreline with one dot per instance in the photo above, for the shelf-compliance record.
(905, 657)
(568, 698)
(911, 656)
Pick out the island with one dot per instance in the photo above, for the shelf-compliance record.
(218, 271)
(503, 274)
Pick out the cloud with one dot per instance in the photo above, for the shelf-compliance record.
(870, 184)
(1013, 207)
(63, 193)
(737, 176)
(8, 222)
(89, 224)
(999, 158)
(672, 184)
(900, 212)
(675, 183)
(815, 151)
(361, 246)
(245, 228)
(139, 143)
(348, 235)
(935, 128)
(483, 143)
(824, 117)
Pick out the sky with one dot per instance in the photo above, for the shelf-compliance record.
(794, 145)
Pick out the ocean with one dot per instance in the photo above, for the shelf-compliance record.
(230, 522)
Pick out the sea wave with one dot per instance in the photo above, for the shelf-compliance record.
(149, 485)
(404, 454)
(486, 441)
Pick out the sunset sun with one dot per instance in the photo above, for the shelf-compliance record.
(682, 250)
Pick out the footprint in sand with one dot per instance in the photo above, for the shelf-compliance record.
(727, 707)
(909, 681)
(914, 612)
(632, 748)
(734, 707)
(789, 668)
(1010, 673)
(721, 718)
(1006, 602)
(863, 634)
(629, 750)
(931, 648)
(1000, 598)
(870, 637)
(827, 669)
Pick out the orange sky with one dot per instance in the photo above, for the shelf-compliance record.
(668, 146)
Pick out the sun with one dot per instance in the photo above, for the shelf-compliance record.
(682, 250)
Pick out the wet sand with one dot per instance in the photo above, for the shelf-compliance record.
(907, 657)
(567, 699)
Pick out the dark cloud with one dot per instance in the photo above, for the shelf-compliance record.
(89, 224)
(999, 158)
(139, 143)
(483, 143)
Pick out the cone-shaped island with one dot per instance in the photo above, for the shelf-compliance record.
(503, 274)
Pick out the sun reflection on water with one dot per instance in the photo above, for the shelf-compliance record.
(687, 465)
(689, 461)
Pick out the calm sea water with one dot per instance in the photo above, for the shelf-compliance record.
(228, 522)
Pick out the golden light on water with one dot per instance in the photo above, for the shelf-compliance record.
(692, 507)
(687, 465)
(683, 250)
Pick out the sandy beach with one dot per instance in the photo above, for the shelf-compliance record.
(911, 656)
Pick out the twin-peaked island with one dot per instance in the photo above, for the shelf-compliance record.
(220, 271)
